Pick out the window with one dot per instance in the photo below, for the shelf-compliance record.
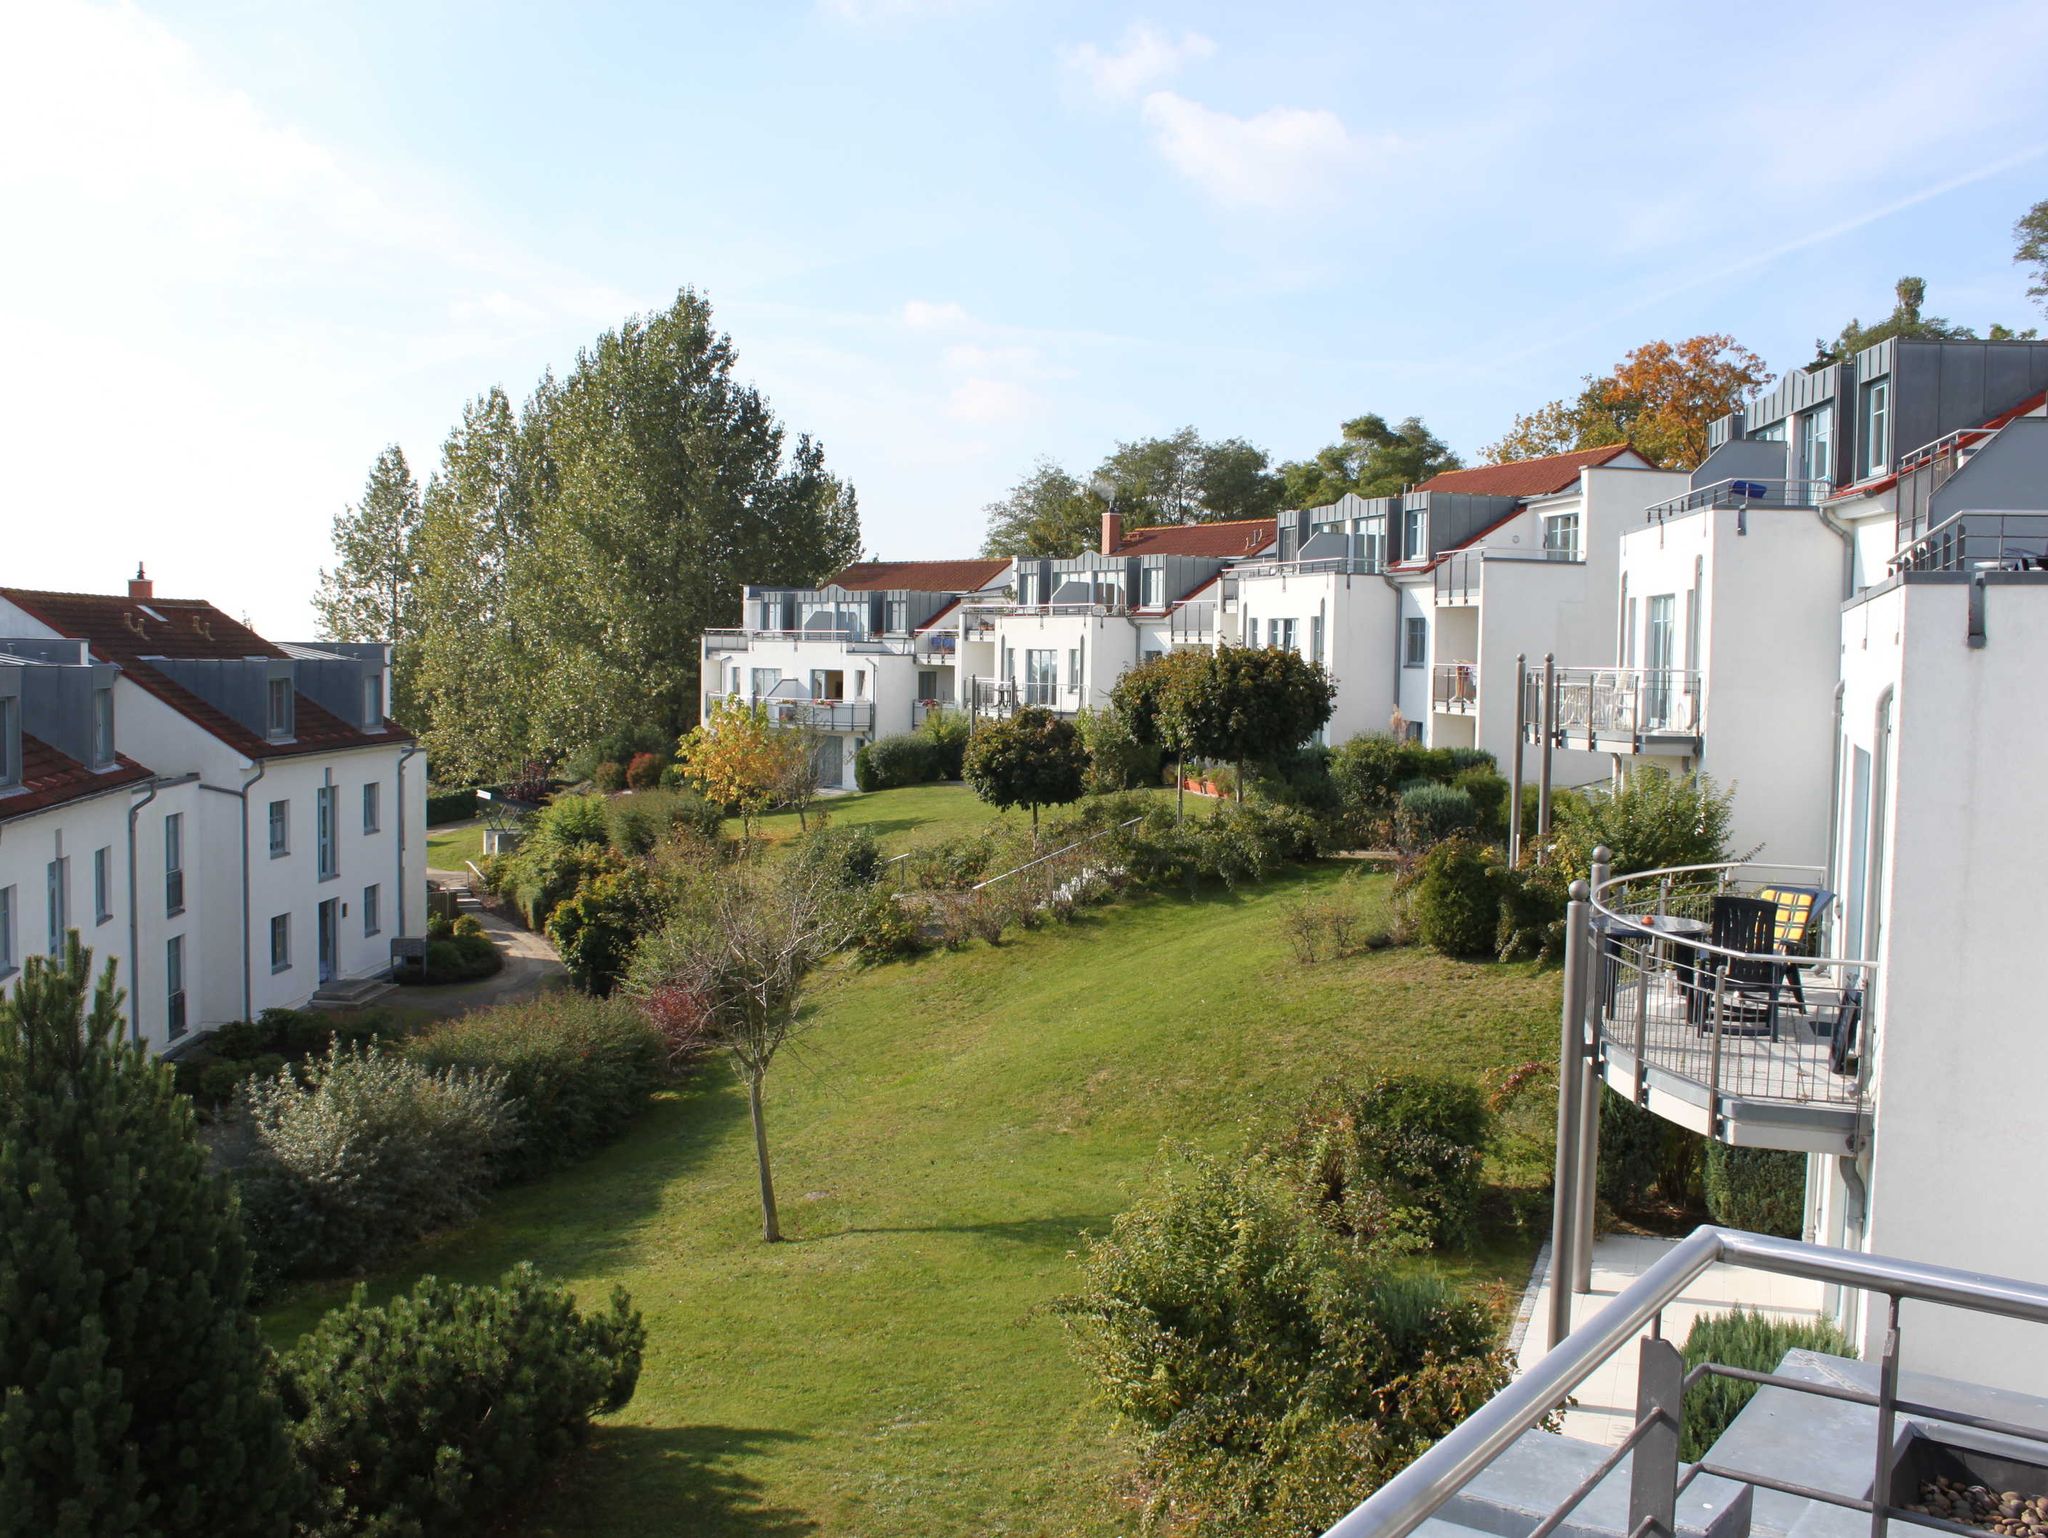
(1414, 641)
(373, 809)
(174, 985)
(765, 681)
(373, 700)
(1010, 663)
(1628, 635)
(1414, 731)
(281, 942)
(1280, 633)
(1561, 536)
(371, 920)
(102, 728)
(1877, 427)
(57, 883)
(1412, 524)
(1817, 444)
(1315, 638)
(6, 931)
(103, 885)
(1041, 676)
(1152, 587)
(324, 831)
(1376, 544)
(174, 863)
(1027, 588)
(896, 617)
(928, 683)
(1151, 654)
(280, 829)
(10, 740)
(280, 718)
(1073, 667)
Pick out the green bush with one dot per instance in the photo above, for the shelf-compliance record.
(541, 872)
(889, 763)
(595, 928)
(435, 1411)
(1032, 759)
(947, 732)
(459, 958)
(1741, 1339)
(1117, 759)
(643, 771)
(1459, 760)
(1430, 813)
(1645, 1159)
(1398, 1158)
(571, 820)
(635, 824)
(849, 856)
(465, 925)
(574, 1070)
(370, 1151)
(1273, 1372)
(888, 930)
(440, 926)
(619, 747)
(1457, 899)
(1532, 909)
(1488, 793)
(1760, 1189)
(609, 777)
(446, 806)
(952, 864)
(1653, 821)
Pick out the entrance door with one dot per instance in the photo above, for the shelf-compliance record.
(1659, 655)
(330, 934)
(831, 761)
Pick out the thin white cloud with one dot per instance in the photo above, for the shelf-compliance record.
(934, 315)
(991, 402)
(1282, 158)
(867, 12)
(1146, 57)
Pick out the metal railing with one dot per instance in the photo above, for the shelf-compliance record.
(1454, 687)
(1741, 493)
(1063, 850)
(1458, 577)
(1328, 565)
(725, 637)
(1733, 1031)
(1079, 606)
(1657, 1478)
(1618, 707)
(1192, 622)
(1973, 542)
(824, 715)
(1924, 471)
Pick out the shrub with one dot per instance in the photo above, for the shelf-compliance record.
(432, 1412)
(635, 824)
(1532, 909)
(951, 864)
(459, 958)
(541, 872)
(1457, 899)
(446, 806)
(608, 777)
(571, 820)
(888, 929)
(1329, 925)
(1654, 820)
(1644, 1158)
(595, 929)
(1398, 1158)
(1488, 793)
(1430, 813)
(466, 925)
(1760, 1189)
(440, 926)
(575, 1071)
(1741, 1339)
(1117, 760)
(849, 856)
(1460, 760)
(947, 732)
(370, 1151)
(888, 763)
(643, 771)
(1273, 1372)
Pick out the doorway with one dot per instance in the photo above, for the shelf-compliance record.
(330, 935)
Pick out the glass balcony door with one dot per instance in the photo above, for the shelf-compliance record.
(1041, 677)
(1659, 658)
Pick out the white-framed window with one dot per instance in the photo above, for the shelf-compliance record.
(927, 683)
(103, 885)
(1010, 664)
(174, 985)
(10, 740)
(1413, 526)
(1561, 536)
(896, 616)
(174, 864)
(373, 699)
(280, 942)
(1877, 427)
(279, 719)
(1628, 635)
(1073, 667)
(373, 807)
(1041, 676)
(1315, 638)
(1280, 633)
(372, 919)
(1375, 549)
(7, 961)
(324, 831)
(102, 728)
(1414, 641)
(1152, 587)
(765, 681)
(1027, 588)
(280, 829)
(57, 889)
(1817, 443)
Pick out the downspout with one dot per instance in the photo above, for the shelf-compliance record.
(399, 818)
(242, 795)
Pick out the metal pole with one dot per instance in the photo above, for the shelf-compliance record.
(1521, 731)
(1571, 1037)
(1599, 996)
(1887, 1400)
(1653, 1471)
(1549, 741)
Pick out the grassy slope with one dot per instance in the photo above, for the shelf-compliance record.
(956, 1126)
(901, 819)
(449, 846)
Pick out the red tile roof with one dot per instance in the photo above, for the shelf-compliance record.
(920, 576)
(126, 631)
(49, 778)
(1222, 540)
(1525, 477)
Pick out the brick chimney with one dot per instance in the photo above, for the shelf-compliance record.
(1112, 531)
(140, 588)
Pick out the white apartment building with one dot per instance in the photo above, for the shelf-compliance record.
(236, 822)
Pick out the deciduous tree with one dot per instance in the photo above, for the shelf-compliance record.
(1048, 513)
(1031, 759)
(741, 758)
(370, 593)
(2030, 236)
(1372, 458)
(1246, 703)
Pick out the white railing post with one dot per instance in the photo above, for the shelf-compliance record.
(1549, 739)
(1597, 992)
(1521, 731)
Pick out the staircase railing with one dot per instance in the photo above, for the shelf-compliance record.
(1657, 1478)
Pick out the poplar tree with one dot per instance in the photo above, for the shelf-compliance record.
(135, 1391)
(371, 593)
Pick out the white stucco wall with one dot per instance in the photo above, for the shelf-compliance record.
(1358, 637)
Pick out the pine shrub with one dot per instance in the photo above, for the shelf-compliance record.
(1760, 1189)
(1741, 1339)
(1457, 899)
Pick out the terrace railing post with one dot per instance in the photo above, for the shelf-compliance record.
(1653, 1469)
(1521, 731)
(1571, 1041)
(1717, 1004)
(1598, 1003)
(1549, 740)
(1887, 1411)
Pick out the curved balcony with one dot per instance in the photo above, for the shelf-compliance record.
(1717, 1004)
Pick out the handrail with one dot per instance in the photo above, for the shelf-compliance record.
(1068, 849)
(1619, 919)
(1949, 442)
(1742, 491)
(1972, 541)
(1419, 1491)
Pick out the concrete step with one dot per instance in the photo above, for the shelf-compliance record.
(351, 993)
(1538, 1473)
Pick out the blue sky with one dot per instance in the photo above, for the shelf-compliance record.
(250, 244)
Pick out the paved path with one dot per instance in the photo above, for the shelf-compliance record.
(531, 965)
(1606, 1407)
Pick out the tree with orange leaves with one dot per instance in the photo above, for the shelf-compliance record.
(1659, 399)
(741, 759)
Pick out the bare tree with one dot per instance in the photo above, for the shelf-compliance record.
(801, 778)
(730, 971)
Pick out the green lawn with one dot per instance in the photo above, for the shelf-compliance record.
(449, 847)
(901, 819)
(955, 1127)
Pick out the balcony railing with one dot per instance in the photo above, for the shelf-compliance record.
(1192, 623)
(1459, 577)
(1759, 1043)
(1454, 688)
(1618, 710)
(1329, 565)
(1079, 606)
(1740, 493)
(1645, 1498)
(725, 639)
(1974, 542)
(824, 715)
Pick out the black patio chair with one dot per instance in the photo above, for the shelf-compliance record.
(1744, 924)
(1843, 1048)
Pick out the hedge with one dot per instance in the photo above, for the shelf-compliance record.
(445, 806)
(908, 758)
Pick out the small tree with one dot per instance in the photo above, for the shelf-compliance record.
(1246, 702)
(135, 1393)
(1032, 759)
(741, 759)
(729, 972)
(1139, 697)
(802, 776)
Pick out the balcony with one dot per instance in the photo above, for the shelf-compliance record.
(1759, 1046)
(725, 640)
(1619, 710)
(1454, 688)
(1192, 624)
(1742, 495)
(1314, 566)
(821, 715)
(1459, 578)
(1979, 542)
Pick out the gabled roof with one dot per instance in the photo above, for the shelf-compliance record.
(50, 778)
(1223, 540)
(920, 576)
(1526, 477)
(127, 632)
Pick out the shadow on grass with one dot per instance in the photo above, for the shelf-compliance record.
(1044, 1233)
(635, 1480)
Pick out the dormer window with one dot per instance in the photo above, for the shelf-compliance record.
(373, 701)
(1152, 587)
(10, 741)
(1411, 534)
(103, 728)
(278, 720)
